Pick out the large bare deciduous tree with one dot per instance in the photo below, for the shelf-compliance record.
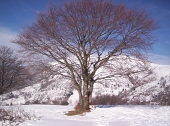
(91, 40)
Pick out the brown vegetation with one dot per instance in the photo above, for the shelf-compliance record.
(13, 73)
(14, 116)
(109, 100)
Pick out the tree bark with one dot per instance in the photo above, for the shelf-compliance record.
(84, 98)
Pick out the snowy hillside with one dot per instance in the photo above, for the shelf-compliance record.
(148, 91)
(141, 95)
(59, 91)
(40, 93)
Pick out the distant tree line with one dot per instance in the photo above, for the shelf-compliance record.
(13, 72)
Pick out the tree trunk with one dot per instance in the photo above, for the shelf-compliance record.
(90, 97)
(83, 104)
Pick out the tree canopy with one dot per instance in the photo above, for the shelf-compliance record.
(91, 40)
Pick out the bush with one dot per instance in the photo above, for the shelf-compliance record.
(36, 102)
(138, 102)
(64, 103)
(163, 97)
(56, 101)
(109, 100)
(28, 103)
(13, 116)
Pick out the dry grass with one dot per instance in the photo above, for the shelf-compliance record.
(14, 115)
(77, 111)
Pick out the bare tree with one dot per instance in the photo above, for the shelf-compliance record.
(91, 40)
(12, 71)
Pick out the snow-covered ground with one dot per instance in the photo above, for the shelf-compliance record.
(54, 115)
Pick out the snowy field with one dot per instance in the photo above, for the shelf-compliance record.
(53, 115)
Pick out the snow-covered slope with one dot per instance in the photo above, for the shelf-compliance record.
(40, 93)
(148, 91)
(144, 93)
(59, 90)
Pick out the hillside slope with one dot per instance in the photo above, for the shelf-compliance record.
(58, 91)
(160, 86)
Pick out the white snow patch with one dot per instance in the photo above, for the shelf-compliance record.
(73, 100)
(51, 115)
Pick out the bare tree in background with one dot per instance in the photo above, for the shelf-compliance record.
(91, 40)
(13, 74)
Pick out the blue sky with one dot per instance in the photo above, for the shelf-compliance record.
(14, 14)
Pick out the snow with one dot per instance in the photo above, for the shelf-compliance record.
(73, 99)
(161, 70)
(128, 115)
(52, 115)
(58, 89)
(147, 91)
